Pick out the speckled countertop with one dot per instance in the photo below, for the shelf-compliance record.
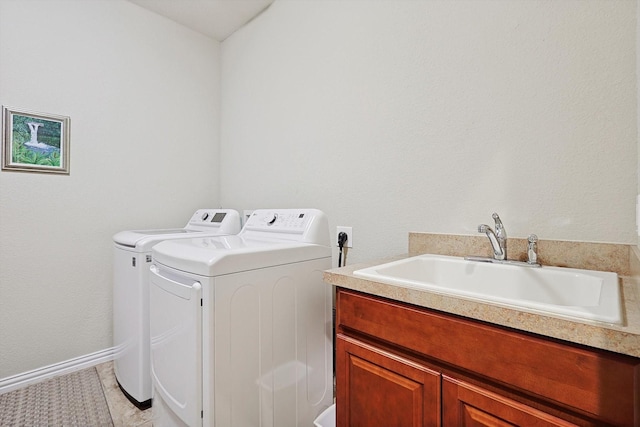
(622, 259)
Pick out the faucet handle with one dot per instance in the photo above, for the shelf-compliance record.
(532, 249)
(496, 218)
(500, 230)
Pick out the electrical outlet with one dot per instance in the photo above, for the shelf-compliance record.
(349, 231)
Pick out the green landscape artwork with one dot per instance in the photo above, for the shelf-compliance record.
(36, 141)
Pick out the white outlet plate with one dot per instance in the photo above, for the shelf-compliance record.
(349, 231)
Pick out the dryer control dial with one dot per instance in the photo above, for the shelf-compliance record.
(272, 218)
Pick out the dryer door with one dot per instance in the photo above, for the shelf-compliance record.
(176, 343)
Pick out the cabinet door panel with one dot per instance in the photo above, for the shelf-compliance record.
(383, 389)
(466, 405)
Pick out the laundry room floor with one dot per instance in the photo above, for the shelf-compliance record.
(88, 397)
(123, 412)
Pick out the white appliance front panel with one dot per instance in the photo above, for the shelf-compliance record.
(132, 258)
(176, 331)
(130, 322)
(267, 346)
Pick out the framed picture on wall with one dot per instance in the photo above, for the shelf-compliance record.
(34, 142)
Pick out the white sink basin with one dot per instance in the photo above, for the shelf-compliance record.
(582, 295)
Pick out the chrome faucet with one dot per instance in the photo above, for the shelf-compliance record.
(498, 238)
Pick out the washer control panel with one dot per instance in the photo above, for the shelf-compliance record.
(299, 225)
(224, 219)
(281, 220)
(210, 216)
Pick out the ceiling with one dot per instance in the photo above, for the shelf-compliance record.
(217, 19)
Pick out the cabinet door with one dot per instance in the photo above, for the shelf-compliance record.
(378, 388)
(466, 405)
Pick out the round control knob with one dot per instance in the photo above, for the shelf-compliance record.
(205, 216)
(271, 218)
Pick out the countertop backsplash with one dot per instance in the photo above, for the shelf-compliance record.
(584, 255)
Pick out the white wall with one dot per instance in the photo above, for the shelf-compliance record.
(142, 94)
(430, 115)
(390, 116)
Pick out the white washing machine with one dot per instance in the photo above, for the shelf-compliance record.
(241, 326)
(132, 258)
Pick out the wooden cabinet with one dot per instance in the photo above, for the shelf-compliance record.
(402, 365)
(466, 405)
(376, 383)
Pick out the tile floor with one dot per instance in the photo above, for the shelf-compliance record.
(123, 412)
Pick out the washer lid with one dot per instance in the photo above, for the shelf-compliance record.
(140, 238)
(217, 256)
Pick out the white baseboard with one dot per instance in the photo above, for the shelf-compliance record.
(31, 377)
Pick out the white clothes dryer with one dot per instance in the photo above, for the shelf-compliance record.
(132, 258)
(241, 326)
